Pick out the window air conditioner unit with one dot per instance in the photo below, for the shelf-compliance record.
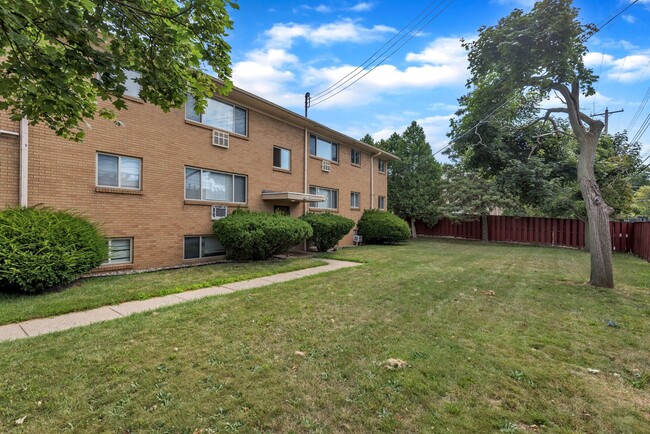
(326, 166)
(357, 239)
(221, 139)
(219, 212)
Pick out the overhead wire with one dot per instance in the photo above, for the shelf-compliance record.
(370, 59)
(364, 72)
(513, 94)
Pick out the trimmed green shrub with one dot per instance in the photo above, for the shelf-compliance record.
(328, 229)
(381, 227)
(42, 248)
(257, 235)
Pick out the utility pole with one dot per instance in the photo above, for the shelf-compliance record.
(307, 102)
(606, 113)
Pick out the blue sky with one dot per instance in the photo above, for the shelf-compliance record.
(282, 49)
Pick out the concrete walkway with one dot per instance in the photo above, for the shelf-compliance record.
(42, 326)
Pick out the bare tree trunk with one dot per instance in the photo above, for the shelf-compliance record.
(485, 236)
(414, 233)
(600, 248)
(598, 212)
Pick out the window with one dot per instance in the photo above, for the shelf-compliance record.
(381, 202)
(132, 86)
(319, 147)
(219, 114)
(214, 186)
(355, 199)
(202, 247)
(382, 166)
(119, 251)
(281, 158)
(331, 198)
(355, 157)
(118, 171)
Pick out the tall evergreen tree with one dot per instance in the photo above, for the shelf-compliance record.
(413, 180)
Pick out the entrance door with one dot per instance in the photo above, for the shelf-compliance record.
(281, 209)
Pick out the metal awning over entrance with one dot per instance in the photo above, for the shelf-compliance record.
(291, 196)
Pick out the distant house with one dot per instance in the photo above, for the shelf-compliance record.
(155, 183)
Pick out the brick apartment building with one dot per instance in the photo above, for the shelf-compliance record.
(154, 182)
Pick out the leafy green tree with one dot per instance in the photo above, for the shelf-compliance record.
(413, 180)
(369, 140)
(466, 194)
(642, 201)
(537, 168)
(58, 57)
(515, 66)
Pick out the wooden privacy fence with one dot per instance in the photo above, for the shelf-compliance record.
(626, 237)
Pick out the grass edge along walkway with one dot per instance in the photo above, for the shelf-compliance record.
(40, 326)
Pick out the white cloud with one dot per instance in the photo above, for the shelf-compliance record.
(442, 63)
(630, 68)
(435, 128)
(517, 3)
(594, 59)
(629, 18)
(348, 31)
(323, 9)
(442, 51)
(362, 7)
(267, 73)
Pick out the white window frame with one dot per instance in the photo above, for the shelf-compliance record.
(219, 173)
(119, 171)
(109, 261)
(234, 107)
(381, 165)
(330, 142)
(358, 196)
(201, 256)
(281, 149)
(317, 204)
(381, 202)
(354, 152)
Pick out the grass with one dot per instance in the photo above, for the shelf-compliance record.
(497, 338)
(94, 292)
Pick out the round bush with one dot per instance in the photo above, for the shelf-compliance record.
(381, 227)
(41, 248)
(328, 229)
(256, 235)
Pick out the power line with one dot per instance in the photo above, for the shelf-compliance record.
(600, 26)
(372, 57)
(514, 94)
(341, 86)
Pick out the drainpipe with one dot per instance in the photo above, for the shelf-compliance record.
(305, 186)
(23, 137)
(372, 180)
(24, 141)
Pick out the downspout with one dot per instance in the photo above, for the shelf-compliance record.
(372, 180)
(305, 186)
(23, 138)
(24, 148)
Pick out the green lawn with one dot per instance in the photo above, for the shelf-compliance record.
(103, 291)
(477, 362)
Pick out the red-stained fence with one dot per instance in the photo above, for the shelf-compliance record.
(641, 240)
(626, 237)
